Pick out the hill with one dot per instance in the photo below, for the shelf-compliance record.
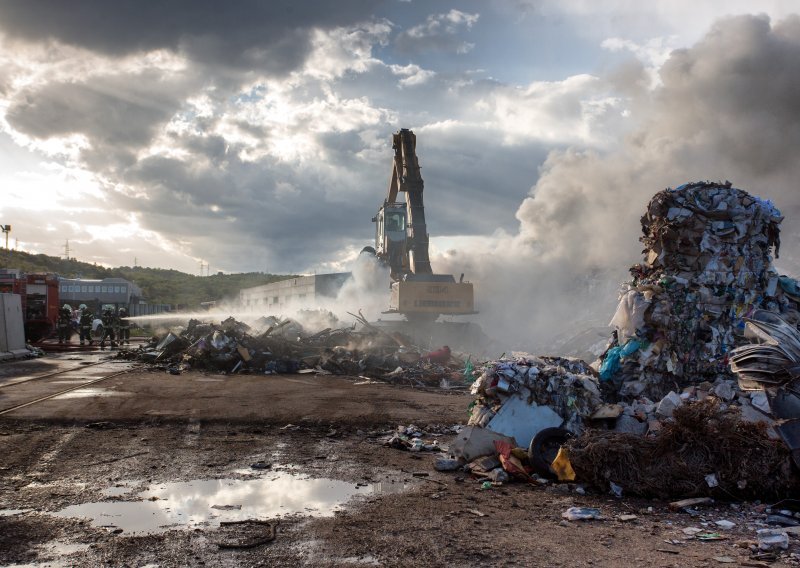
(159, 285)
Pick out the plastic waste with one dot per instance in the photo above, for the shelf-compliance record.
(582, 514)
(725, 524)
(562, 466)
(498, 475)
(446, 464)
(613, 360)
(468, 370)
(770, 539)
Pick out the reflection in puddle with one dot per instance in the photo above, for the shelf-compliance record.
(12, 512)
(87, 392)
(209, 501)
(116, 491)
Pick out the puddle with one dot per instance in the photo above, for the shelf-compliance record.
(116, 491)
(53, 564)
(366, 560)
(12, 512)
(207, 502)
(60, 548)
(90, 392)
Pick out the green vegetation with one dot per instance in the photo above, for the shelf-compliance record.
(159, 286)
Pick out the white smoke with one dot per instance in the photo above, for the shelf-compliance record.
(725, 109)
(367, 289)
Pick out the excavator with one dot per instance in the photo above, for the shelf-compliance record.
(401, 242)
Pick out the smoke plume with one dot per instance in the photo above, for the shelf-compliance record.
(727, 108)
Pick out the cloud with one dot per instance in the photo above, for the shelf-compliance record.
(289, 168)
(248, 34)
(439, 32)
(560, 112)
(120, 111)
(279, 167)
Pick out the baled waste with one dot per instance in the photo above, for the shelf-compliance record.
(707, 266)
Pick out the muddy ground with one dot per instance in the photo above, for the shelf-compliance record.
(166, 429)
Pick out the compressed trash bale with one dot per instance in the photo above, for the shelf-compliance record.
(705, 437)
(707, 266)
(566, 386)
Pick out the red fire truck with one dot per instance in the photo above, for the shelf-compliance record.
(40, 303)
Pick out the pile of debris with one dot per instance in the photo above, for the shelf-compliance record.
(708, 265)
(770, 369)
(283, 346)
(519, 397)
(660, 413)
(706, 450)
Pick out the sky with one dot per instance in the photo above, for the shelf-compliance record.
(256, 136)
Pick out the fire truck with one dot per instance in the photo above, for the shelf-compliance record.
(40, 302)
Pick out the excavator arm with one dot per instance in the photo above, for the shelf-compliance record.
(406, 177)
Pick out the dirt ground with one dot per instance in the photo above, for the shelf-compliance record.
(148, 428)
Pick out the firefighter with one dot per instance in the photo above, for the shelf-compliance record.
(109, 324)
(124, 327)
(85, 322)
(65, 324)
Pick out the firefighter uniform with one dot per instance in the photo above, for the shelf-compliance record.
(124, 327)
(109, 326)
(65, 324)
(85, 325)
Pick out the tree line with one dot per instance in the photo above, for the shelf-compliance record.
(159, 285)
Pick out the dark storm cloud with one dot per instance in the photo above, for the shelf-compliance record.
(234, 211)
(244, 33)
(119, 111)
(473, 184)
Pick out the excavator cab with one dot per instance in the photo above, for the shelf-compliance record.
(390, 236)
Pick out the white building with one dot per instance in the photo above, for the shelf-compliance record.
(300, 290)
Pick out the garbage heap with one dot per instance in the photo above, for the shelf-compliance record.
(519, 397)
(707, 449)
(274, 345)
(707, 265)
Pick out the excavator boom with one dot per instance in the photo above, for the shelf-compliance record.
(406, 178)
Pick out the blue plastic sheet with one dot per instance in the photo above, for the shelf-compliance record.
(613, 359)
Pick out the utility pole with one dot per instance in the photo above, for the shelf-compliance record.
(66, 249)
(201, 268)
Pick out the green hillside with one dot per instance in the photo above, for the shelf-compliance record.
(159, 286)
